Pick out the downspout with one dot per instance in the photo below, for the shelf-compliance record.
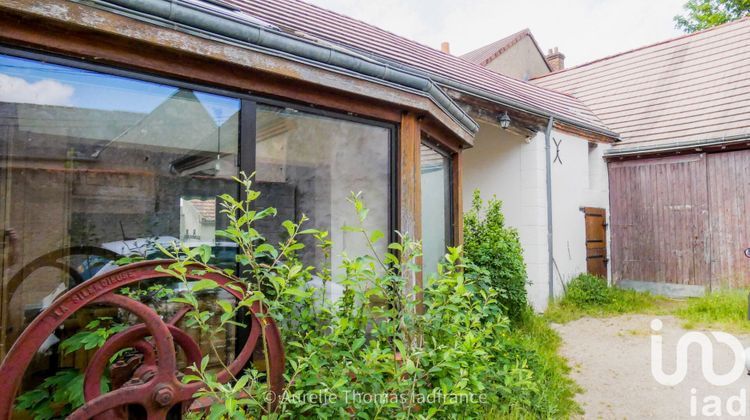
(550, 250)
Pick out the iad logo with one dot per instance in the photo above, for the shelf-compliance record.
(707, 357)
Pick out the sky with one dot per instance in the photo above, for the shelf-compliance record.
(30, 81)
(583, 30)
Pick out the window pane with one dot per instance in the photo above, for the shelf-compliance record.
(435, 208)
(90, 159)
(308, 164)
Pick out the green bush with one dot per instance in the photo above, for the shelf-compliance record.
(496, 254)
(450, 357)
(377, 352)
(588, 290)
(588, 295)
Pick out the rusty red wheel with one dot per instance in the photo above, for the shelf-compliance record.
(154, 384)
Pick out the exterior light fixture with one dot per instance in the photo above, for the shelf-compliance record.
(504, 120)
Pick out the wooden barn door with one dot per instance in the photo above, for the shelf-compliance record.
(596, 241)
(660, 221)
(729, 203)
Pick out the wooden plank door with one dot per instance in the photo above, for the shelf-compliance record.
(729, 201)
(660, 222)
(596, 241)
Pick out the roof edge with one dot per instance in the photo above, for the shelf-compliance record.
(623, 151)
(508, 102)
(504, 101)
(666, 41)
(250, 33)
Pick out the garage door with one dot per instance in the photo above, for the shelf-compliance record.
(682, 220)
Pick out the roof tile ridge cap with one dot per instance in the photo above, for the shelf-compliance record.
(514, 37)
(513, 41)
(643, 47)
(370, 25)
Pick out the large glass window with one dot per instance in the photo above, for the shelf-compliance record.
(310, 164)
(96, 165)
(436, 207)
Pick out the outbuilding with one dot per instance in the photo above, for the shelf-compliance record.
(679, 180)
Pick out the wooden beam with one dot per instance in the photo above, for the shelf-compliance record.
(458, 201)
(80, 31)
(522, 123)
(410, 183)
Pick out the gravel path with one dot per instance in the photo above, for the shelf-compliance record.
(611, 360)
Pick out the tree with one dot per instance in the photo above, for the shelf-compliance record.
(702, 14)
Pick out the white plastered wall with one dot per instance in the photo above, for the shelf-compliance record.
(579, 179)
(503, 164)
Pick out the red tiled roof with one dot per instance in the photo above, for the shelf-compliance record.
(295, 15)
(483, 55)
(206, 208)
(684, 90)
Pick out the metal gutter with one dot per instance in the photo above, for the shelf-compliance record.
(253, 33)
(503, 100)
(550, 237)
(512, 103)
(676, 146)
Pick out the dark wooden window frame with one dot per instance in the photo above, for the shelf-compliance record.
(247, 126)
(450, 189)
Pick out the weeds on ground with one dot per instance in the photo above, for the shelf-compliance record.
(589, 295)
(724, 310)
(557, 388)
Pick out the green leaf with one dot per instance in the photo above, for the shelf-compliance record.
(203, 284)
(225, 306)
(376, 235)
(205, 253)
(289, 226)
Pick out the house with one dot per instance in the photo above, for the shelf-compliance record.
(553, 184)
(679, 178)
(123, 120)
(517, 56)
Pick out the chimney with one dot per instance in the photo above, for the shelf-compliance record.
(445, 47)
(556, 59)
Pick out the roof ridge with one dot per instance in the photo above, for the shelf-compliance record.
(510, 39)
(643, 47)
(490, 72)
(370, 25)
(382, 44)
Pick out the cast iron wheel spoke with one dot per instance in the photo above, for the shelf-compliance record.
(111, 400)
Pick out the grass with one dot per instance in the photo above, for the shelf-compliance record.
(587, 296)
(722, 310)
(622, 302)
(556, 390)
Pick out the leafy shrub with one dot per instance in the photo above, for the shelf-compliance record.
(378, 351)
(589, 295)
(495, 250)
(587, 289)
(451, 357)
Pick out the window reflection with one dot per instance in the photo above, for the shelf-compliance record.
(308, 164)
(108, 163)
(436, 205)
